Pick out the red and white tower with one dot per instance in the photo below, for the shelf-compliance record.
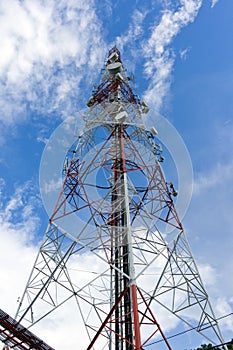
(115, 189)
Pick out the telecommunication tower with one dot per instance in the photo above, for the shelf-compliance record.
(116, 190)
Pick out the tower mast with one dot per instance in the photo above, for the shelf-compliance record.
(125, 301)
(123, 245)
(112, 212)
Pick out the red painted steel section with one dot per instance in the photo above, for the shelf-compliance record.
(15, 335)
(137, 335)
(155, 321)
(107, 319)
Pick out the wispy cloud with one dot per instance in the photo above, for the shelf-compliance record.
(129, 41)
(184, 53)
(43, 54)
(53, 185)
(213, 178)
(160, 57)
(214, 2)
(18, 211)
(135, 30)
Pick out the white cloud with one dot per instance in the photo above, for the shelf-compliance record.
(224, 308)
(208, 274)
(43, 54)
(212, 179)
(2, 185)
(160, 80)
(214, 2)
(135, 30)
(18, 225)
(129, 42)
(160, 59)
(52, 186)
(184, 53)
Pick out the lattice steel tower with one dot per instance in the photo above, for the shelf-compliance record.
(116, 191)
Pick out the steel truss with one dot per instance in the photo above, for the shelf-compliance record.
(18, 337)
(115, 211)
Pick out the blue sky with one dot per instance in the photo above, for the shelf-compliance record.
(181, 54)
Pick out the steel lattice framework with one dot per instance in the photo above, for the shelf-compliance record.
(114, 184)
(17, 336)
